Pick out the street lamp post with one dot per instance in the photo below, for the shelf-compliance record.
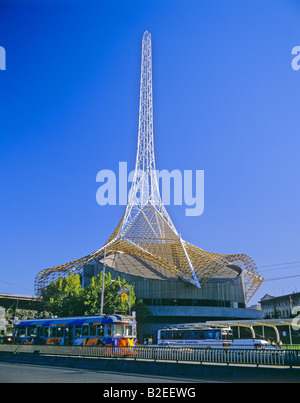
(102, 291)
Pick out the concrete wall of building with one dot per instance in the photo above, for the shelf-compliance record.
(156, 292)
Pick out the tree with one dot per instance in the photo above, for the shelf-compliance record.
(63, 296)
(117, 295)
(142, 311)
(66, 296)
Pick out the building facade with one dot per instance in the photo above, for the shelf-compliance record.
(284, 306)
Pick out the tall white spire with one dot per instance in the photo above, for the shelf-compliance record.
(145, 190)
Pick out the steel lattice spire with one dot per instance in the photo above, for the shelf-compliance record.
(145, 190)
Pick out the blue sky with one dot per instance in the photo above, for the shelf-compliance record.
(226, 101)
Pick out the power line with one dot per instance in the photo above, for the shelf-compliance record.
(280, 268)
(280, 264)
(281, 278)
(15, 285)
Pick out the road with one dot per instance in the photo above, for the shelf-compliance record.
(29, 373)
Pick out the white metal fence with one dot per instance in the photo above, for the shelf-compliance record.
(195, 355)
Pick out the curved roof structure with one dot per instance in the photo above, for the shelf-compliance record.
(146, 242)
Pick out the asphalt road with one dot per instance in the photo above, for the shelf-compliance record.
(29, 373)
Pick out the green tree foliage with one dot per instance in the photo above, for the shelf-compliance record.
(66, 296)
(63, 296)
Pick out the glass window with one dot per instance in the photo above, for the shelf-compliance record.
(47, 332)
(165, 335)
(187, 335)
(20, 332)
(118, 330)
(53, 331)
(109, 330)
(60, 331)
(77, 331)
(100, 330)
(199, 335)
(85, 330)
(209, 334)
(128, 331)
(32, 331)
(93, 330)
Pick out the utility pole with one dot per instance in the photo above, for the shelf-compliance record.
(102, 291)
(129, 301)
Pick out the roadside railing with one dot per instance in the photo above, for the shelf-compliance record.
(238, 356)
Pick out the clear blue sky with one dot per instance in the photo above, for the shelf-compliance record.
(226, 101)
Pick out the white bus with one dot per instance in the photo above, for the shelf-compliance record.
(214, 337)
(208, 337)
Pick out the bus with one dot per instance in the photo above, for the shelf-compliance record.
(208, 336)
(102, 330)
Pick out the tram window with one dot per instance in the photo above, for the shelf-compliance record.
(53, 331)
(60, 331)
(118, 330)
(93, 330)
(85, 330)
(109, 330)
(32, 331)
(100, 330)
(47, 332)
(217, 335)
(20, 332)
(77, 331)
(128, 330)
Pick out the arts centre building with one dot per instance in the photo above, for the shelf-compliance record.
(177, 281)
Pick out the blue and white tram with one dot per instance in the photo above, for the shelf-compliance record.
(191, 336)
(105, 330)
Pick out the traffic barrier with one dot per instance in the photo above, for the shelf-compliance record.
(237, 356)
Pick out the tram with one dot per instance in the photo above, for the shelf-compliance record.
(103, 330)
